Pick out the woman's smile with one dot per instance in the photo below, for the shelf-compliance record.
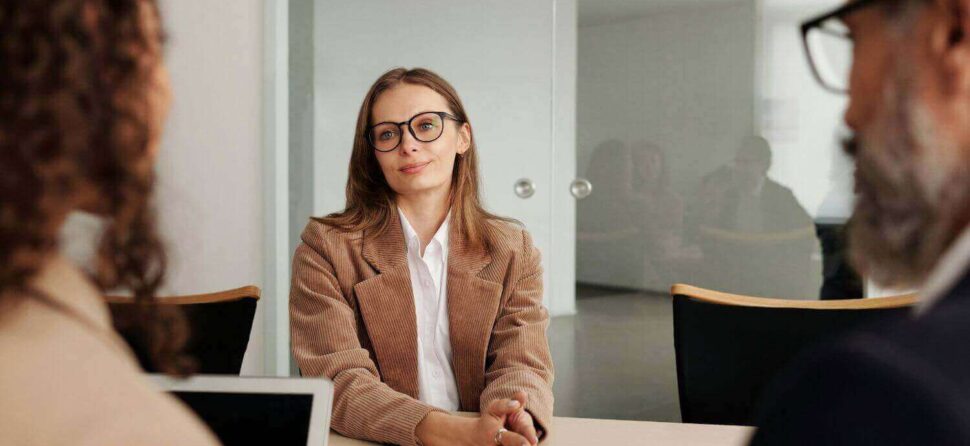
(414, 168)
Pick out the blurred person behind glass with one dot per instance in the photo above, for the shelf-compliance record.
(902, 381)
(659, 215)
(607, 221)
(83, 95)
(755, 236)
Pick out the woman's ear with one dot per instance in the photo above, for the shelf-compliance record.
(464, 138)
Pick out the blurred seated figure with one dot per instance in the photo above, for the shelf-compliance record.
(659, 216)
(839, 279)
(755, 236)
(607, 232)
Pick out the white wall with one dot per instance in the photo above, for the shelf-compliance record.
(210, 173)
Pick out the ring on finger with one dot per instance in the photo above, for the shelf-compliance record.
(498, 436)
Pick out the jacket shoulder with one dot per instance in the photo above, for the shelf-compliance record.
(316, 230)
(507, 237)
(324, 238)
(872, 387)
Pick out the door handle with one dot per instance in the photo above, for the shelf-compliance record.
(580, 188)
(525, 188)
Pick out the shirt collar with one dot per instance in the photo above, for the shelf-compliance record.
(950, 269)
(412, 240)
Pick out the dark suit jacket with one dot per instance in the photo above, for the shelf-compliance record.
(903, 381)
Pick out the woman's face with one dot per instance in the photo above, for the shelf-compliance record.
(415, 167)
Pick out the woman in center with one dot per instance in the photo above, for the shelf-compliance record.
(415, 301)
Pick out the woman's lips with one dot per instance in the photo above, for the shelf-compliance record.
(414, 168)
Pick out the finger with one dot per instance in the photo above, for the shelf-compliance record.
(522, 398)
(524, 425)
(510, 438)
(503, 408)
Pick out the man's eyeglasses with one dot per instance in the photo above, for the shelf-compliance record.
(424, 127)
(828, 45)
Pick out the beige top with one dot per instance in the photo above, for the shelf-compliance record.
(67, 378)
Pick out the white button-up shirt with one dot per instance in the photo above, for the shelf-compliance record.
(947, 273)
(429, 278)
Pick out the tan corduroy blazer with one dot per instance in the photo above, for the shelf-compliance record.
(353, 321)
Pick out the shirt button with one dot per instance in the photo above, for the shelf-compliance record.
(436, 374)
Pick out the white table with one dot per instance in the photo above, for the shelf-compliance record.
(583, 431)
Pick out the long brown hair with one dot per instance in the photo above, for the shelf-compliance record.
(75, 118)
(370, 199)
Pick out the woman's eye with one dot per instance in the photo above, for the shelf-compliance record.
(426, 126)
(386, 136)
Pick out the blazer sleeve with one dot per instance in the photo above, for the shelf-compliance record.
(325, 343)
(518, 356)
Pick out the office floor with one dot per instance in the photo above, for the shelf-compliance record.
(615, 358)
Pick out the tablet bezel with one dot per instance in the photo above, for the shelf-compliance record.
(321, 390)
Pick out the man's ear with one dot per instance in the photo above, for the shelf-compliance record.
(464, 138)
(950, 43)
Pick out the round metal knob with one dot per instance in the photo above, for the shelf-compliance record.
(525, 188)
(580, 188)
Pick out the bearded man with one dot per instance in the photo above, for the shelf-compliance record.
(904, 381)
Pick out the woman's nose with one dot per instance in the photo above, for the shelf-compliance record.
(408, 142)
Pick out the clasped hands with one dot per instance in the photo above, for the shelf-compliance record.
(445, 429)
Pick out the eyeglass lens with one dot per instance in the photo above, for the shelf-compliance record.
(831, 50)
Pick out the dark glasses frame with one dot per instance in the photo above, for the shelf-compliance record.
(442, 115)
(816, 24)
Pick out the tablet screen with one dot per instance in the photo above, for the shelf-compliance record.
(253, 418)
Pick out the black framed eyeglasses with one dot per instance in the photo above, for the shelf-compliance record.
(828, 45)
(424, 127)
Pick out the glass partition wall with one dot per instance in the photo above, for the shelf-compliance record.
(713, 160)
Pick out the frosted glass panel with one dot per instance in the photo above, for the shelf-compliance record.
(712, 152)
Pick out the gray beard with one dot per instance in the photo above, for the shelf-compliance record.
(912, 192)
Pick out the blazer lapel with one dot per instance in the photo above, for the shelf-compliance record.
(473, 304)
(387, 307)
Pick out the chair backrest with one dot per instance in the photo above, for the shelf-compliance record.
(729, 347)
(219, 327)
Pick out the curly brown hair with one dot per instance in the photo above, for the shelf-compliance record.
(75, 117)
